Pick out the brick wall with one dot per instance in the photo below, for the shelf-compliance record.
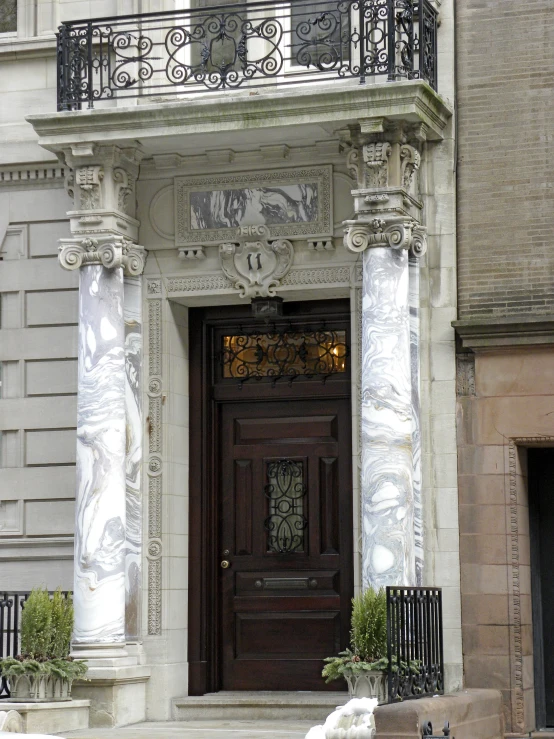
(505, 58)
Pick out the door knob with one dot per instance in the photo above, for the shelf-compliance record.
(225, 564)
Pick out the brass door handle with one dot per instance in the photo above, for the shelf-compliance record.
(225, 564)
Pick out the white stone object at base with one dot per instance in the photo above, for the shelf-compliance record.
(355, 720)
(51, 718)
(10, 722)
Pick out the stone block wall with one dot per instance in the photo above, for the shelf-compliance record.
(505, 71)
(38, 349)
(505, 405)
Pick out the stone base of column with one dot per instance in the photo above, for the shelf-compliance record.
(115, 685)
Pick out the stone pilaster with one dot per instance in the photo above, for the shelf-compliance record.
(386, 230)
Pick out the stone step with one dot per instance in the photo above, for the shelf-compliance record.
(257, 705)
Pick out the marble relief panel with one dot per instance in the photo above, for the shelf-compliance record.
(265, 206)
(293, 203)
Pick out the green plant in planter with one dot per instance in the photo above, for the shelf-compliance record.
(46, 628)
(368, 640)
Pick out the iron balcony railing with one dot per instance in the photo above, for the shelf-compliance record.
(248, 44)
(414, 642)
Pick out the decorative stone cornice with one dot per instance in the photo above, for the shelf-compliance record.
(394, 232)
(498, 332)
(111, 253)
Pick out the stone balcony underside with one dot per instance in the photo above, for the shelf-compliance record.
(243, 119)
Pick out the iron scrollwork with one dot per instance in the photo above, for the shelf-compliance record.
(254, 43)
(284, 355)
(285, 492)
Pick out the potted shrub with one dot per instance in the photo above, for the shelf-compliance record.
(364, 666)
(44, 671)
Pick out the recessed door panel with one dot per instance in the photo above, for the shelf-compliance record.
(286, 521)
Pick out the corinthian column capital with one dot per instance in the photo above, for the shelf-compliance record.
(110, 252)
(394, 232)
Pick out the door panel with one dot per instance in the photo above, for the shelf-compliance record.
(286, 522)
(541, 502)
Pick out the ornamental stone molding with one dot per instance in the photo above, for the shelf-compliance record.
(394, 232)
(389, 159)
(254, 264)
(110, 252)
(101, 180)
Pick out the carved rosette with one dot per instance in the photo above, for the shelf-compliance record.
(396, 233)
(254, 264)
(112, 253)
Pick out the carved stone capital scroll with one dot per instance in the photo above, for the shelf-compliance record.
(254, 264)
(396, 233)
(111, 252)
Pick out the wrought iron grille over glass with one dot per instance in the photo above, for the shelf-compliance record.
(284, 354)
(414, 642)
(249, 44)
(286, 492)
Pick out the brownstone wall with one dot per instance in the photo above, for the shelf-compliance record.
(504, 406)
(505, 67)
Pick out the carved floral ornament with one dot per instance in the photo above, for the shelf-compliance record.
(370, 165)
(397, 233)
(253, 264)
(111, 253)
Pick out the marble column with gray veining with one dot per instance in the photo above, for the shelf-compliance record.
(416, 417)
(108, 440)
(99, 568)
(133, 357)
(387, 474)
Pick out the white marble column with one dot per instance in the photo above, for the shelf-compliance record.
(387, 497)
(388, 533)
(100, 524)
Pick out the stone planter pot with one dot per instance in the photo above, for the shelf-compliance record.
(39, 689)
(368, 685)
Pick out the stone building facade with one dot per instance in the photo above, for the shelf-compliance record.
(504, 350)
(100, 213)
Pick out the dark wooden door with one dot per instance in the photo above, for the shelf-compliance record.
(286, 532)
(541, 509)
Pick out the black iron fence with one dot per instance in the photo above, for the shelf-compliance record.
(414, 642)
(11, 605)
(248, 44)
